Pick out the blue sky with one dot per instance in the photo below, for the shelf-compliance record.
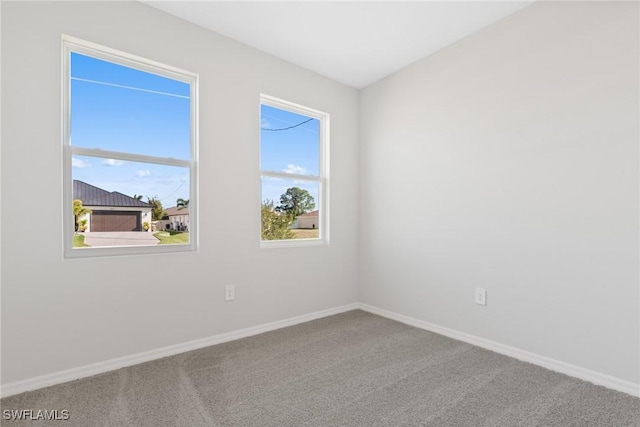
(126, 110)
(288, 150)
(121, 109)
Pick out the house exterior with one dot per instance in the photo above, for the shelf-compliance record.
(307, 220)
(178, 219)
(111, 211)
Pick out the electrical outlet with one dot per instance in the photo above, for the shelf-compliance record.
(229, 292)
(481, 296)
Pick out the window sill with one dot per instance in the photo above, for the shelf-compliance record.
(294, 243)
(92, 252)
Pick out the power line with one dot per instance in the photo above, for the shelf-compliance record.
(174, 191)
(287, 122)
(290, 127)
(129, 87)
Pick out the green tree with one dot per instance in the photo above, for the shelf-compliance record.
(275, 224)
(157, 211)
(296, 201)
(78, 211)
(137, 196)
(182, 203)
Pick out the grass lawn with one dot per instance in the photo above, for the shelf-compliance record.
(171, 237)
(78, 241)
(305, 233)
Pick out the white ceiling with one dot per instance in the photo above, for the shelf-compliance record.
(356, 43)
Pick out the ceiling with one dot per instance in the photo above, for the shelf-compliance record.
(356, 43)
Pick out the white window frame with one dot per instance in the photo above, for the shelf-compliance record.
(322, 178)
(72, 44)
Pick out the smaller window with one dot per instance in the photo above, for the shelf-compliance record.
(293, 165)
(129, 153)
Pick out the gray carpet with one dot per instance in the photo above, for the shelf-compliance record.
(352, 369)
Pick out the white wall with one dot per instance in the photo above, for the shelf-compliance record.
(59, 314)
(509, 161)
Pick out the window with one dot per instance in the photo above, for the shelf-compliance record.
(293, 163)
(130, 149)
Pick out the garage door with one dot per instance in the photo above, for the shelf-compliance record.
(115, 221)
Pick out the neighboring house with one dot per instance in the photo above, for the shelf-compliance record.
(178, 219)
(111, 211)
(307, 220)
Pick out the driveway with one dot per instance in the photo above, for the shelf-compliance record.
(120, 238)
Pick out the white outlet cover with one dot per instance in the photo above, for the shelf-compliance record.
(229, 292)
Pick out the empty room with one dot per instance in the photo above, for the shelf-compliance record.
(346, 213)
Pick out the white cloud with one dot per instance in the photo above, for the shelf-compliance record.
(80, 164)
(291, 168)
(112, 162)
(143, 173)
(265, 124)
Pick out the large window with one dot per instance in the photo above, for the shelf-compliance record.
(130, 170)
(293, 163)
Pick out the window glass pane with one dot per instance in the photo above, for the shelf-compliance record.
(289, 142)
(118, 108)
(289, 209)
(129, 196)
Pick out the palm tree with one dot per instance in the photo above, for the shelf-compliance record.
(182, 203)
(137, 196)
(78, 211)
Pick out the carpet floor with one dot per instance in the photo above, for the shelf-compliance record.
(351, 369)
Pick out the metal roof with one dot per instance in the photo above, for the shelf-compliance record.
(94, 196)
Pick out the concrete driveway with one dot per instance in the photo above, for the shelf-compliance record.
(120, 238)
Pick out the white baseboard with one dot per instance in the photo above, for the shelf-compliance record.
(121, 362)
(536, 359)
